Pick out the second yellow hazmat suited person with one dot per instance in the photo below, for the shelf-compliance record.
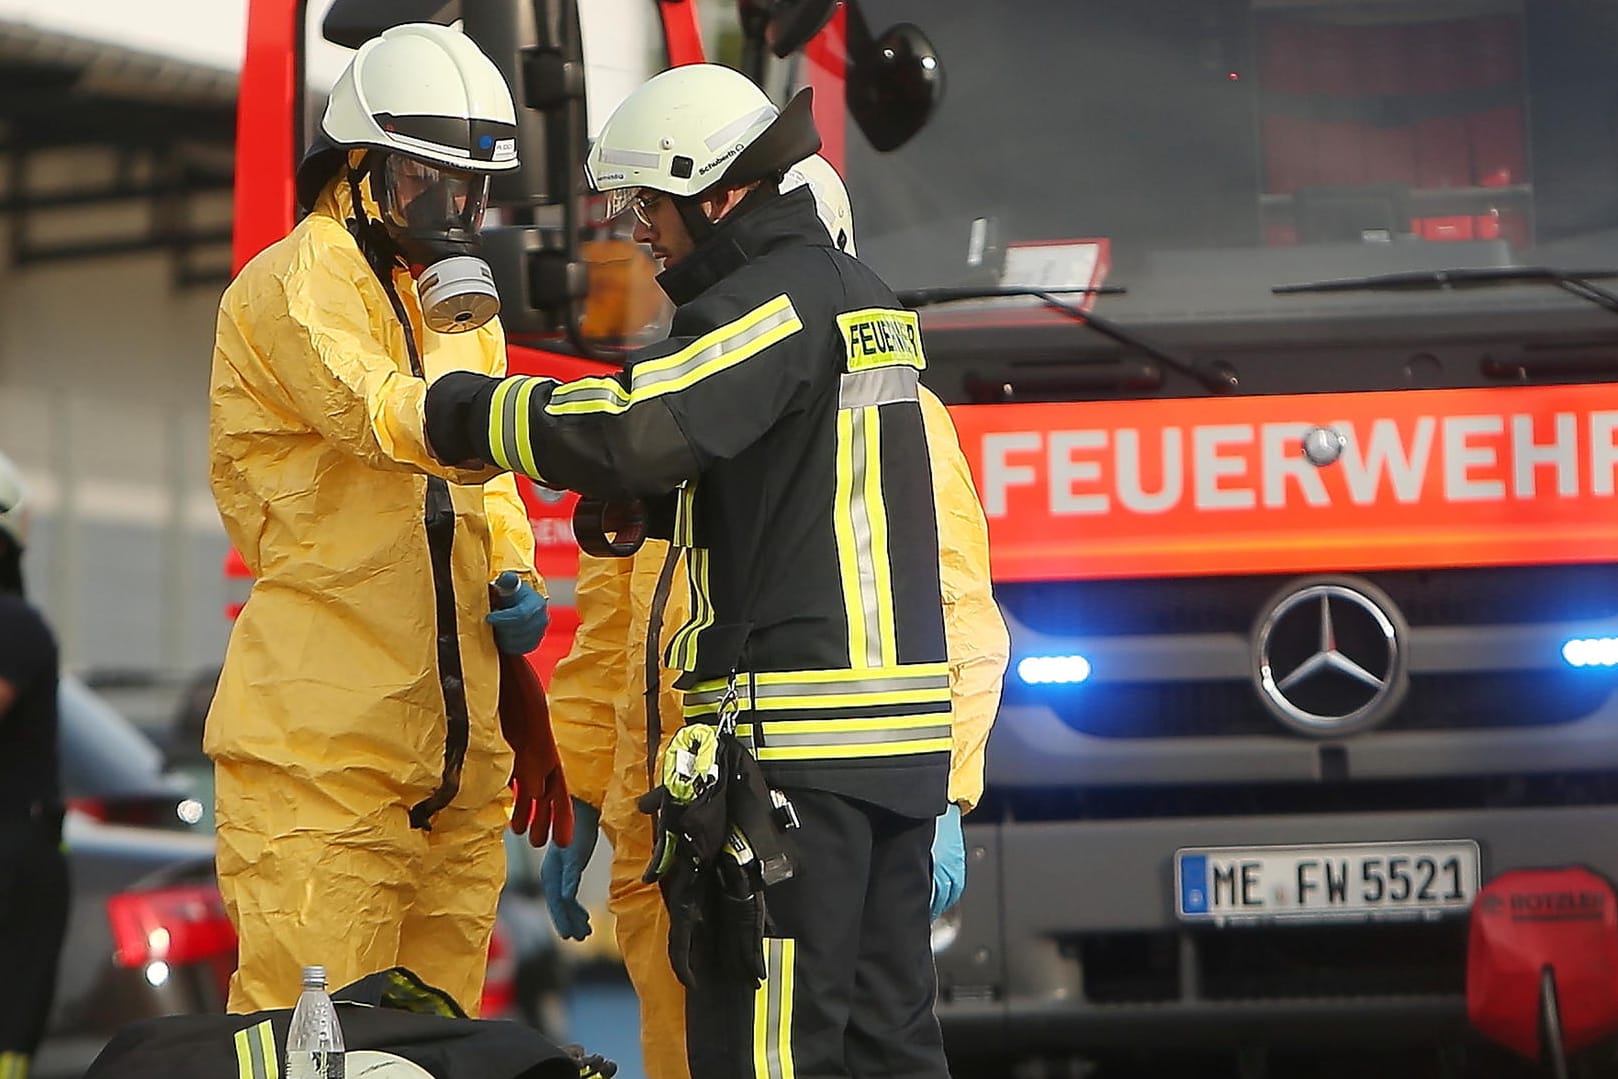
(598, 703)
(360, 768)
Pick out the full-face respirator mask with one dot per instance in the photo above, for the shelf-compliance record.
(433, 215)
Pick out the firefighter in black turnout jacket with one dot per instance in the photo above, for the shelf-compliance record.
(777, 435)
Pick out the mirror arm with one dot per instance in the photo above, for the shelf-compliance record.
(859, 38)
(572, 112)
(755, 22)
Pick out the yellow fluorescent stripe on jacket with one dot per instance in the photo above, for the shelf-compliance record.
(803, 702)
(854, 726)
(769, 752)
(713, 352)
(848, 565)
(881, 566)
(682, 650)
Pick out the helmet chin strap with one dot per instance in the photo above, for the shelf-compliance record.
(696, 223)
(372, 236)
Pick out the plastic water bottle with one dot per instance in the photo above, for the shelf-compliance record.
(314, 1041)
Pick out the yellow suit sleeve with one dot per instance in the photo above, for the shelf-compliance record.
(590, 680)
(511, 537)
(979, 645)
(311, 329)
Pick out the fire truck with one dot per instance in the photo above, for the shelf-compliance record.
(1280, 338)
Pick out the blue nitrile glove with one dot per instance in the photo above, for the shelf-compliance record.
(520, 615)
(560, 873)
(949, 860)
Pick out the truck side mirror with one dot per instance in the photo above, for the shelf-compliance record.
(894, 84)
(536, 46)
(534, 252)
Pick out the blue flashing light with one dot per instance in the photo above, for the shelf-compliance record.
(1591, 652)
(1053, 670)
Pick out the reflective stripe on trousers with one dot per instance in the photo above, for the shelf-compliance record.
(772, 1012)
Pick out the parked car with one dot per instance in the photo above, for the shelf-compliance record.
(147, 933)
(147, 930)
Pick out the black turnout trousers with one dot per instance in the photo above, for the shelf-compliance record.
(33, 920)
(851, 983)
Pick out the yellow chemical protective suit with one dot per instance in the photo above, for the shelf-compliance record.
(597, 701)
(330, 719)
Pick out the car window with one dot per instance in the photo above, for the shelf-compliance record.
(103, 755)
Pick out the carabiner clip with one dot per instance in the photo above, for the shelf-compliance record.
(729, 706)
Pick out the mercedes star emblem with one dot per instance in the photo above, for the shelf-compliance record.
(1329, 656)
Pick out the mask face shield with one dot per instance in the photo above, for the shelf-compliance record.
(426, 200)
(435, 213)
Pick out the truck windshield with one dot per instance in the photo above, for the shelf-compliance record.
(1202, 151)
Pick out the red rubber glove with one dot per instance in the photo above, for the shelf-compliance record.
(544, 810)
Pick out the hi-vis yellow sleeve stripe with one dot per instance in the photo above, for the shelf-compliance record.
(718, 350)
(509, 436)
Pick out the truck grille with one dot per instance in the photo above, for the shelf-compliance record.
(1452, 597)
(1068, 803)
(1436, 702)
(1523, 595)
(1275, 963)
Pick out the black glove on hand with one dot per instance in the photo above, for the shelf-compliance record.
(458, 418)
(685, 889)
(741, 922)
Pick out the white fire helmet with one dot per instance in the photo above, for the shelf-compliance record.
(690, 127)
(422, 90)
(831, 198)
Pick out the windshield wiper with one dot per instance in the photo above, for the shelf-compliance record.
(926, 297)
(1578, 283)
(1218, 379)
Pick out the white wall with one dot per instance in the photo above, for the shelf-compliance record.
(103, 403)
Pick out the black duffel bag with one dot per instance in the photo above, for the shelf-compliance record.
(393, 1011)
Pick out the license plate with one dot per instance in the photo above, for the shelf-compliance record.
(1321, 882)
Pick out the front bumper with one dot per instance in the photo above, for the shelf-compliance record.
(1069, 942)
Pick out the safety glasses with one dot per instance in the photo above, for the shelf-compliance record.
(639, 200)
(642, 204)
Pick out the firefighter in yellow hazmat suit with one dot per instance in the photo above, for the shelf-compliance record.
(598, 705)
(361, 774)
